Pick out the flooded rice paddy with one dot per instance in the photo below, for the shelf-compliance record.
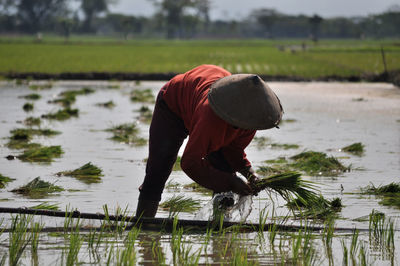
(323, 117)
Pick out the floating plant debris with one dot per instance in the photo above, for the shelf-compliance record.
(32, 121)
(109, 104)
(355, 148)
(317, 163)
(197, 188)
(319, 207)
(142, 96)
(63, 114)
(87, 173)
(37, 188)
(40, 87)
(46, 206)
(69, 97)
(32, 96)
(27, 107)
(145, 114)
(180, 203)
(284, 146)
(390, 193)
(4, 180)
(41, 154)
(127, 133)
(20, 137)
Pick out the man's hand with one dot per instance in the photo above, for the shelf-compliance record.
(241, 187)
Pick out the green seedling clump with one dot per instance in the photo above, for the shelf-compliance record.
(32, 96)
(126, 133)
(40, 87)
(284, 146)
(355, 148)
(179, 203)
(261, 142)
(390, 193)
(37, 132)
(142, 96)
(197, 188)
(67, 98)
(32, 121)
(27, 107)
(87, 173)
(317, 163)
(145, 114)
(41, 154)
(4, 180)
(46, 206)
(37, 188)
(20, 137)
(319, 207)
(109, 104)
(63, 114)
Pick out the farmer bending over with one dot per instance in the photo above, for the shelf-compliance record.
(220, 113)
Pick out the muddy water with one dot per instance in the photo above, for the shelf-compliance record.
(327, 116)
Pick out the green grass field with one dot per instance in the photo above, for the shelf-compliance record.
(276, 57)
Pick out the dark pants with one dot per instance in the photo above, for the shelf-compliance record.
(167, 133)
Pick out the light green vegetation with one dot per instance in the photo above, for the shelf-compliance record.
(319, 208)
(32, 121)
(20, 138)
(4, 180)
(27, 107)
(37, 87)
(329, 57)
(355, 148)
(390, 193)
(180, 203)
(284, 146)
(32, 96)
(66, 98)
(37, 188)
(145, 114)
(381, 232)
(127, 133)
(197, 188)
(87, 173)
(62, 114)
(46, 206)
(177, 164)
(41, 154)
(109, 104)
(143, 96)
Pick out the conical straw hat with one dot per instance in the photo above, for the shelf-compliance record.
(245, 101)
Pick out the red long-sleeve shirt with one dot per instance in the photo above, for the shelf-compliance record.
(186, 96)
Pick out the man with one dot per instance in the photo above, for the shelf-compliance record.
(220, 113)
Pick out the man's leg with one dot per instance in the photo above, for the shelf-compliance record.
(167, 132)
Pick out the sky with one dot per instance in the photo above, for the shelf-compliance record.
(237, 9)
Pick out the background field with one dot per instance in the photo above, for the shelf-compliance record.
(270, 57)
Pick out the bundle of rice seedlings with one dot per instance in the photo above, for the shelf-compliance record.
(180, 203)
(145, 114)
(37, 188)
(284, 146)
(32, 96)
(69, 97)
(41, 154)
(289, 185)
(20, 137)
(317, 163)
(126, 133)
(355, 148)
(319, 208)
(142, 96)
(63, 114)
(197, 188)
(46, 206)
(4, 180)
(390, 193)
(87, 173)
(32, 121)
(40, 87)
(27, 107)
(109, 104)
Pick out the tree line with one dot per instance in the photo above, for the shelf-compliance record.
(185, 19)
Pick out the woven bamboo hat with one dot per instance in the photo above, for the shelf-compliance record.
(245, 101)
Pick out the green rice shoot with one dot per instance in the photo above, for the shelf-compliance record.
(320, 207)
(37, 188)
(144, 96)
(127, 133)
(62, 114)
(284, 146)
(355, 148)
(390, 193)
(32, 121)
(87, 173)
(46, 206)
(145, 114)
(177, 164)
(4, 180)
(180, 203)
(41, 154)
(20, 138)
(32, 96)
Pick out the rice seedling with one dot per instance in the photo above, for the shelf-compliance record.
(37, 188)
(128, 255)
(142, 96)
(171, 185)
(381, 232)
(62, 114)
(390, 193)
(355, 148)
(46, 206)
(4, 180)
(32, 96)
(69, 97)
(319, 207)
(145, 114)
(16, 133)
(109, 104)
(32, 121)
(177, 164)
(123, 221)
(327, 237)
(19, 238)
(317, 163)
(35, 233)
(38, 87)
(284, 146)
(73, 247)
(19, 144)
(27, 107)
(126, 133)
(41, 154)
(87, 173)
(180, 203)
(197, 188)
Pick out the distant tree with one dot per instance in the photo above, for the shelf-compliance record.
(125, 24)
(203, 10)
(66, 25)
(315, 22)
(35, 14)
(91, 9)
(5, 6)
(266, 18)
